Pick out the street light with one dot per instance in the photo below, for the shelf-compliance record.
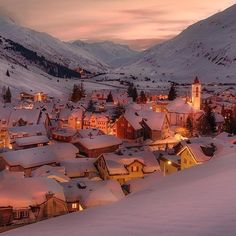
(168, 163)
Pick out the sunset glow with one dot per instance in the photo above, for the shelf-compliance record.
(151, 20)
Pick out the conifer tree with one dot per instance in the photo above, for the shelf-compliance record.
(118, 112)
(207, 124)
(135, 94)
(110, 98)
(172, 93)
(8, 96)
(8, 73)
(189, 125)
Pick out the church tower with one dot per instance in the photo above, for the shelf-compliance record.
(196, 94)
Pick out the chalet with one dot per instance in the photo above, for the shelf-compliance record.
(30, 200)
(156, 125)
(36, 97)
(95, 146)
(128, 127)
(27, 160)
(126, 167)
(195, 153)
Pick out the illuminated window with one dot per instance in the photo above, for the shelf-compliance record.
(134, 169)
(74, 205)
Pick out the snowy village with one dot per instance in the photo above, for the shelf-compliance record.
(115, 137)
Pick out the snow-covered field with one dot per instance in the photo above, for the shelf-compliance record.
(197, 201)
(206, 49)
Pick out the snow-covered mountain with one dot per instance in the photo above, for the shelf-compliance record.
(196, 201)
(111, 53)
(206, 49)
(50, 47)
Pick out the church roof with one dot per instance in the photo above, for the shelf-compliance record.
(196, 80)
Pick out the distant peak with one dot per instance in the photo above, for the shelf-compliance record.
(7, 19)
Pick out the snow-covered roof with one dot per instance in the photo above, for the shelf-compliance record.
(31, 130)
(179, 106)
(95, 193)
(116, 164)
(134, 119)
(154, 120)
(77, 167)
(100, 141)
(87, 133)
(51, 172)
(25, 141)
(40, 155)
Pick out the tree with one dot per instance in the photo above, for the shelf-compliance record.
(91, 106)
(189, 125)
(172, 93)
(8, 73)
(207, 123)
(8, 96)
(78, 93)
(143, 98)
(130, 90)
(110, 98)
(135, 94)
(118, 112)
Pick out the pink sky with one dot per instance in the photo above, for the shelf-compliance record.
(111, 19)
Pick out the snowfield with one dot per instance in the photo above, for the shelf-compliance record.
(206, 49)
(197, 201)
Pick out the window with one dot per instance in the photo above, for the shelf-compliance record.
(21, 214)
(185, 161)
(74, 205)
(134, 168)
(197, 92)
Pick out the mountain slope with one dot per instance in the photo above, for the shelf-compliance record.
(50, 47)
(111, 53)
(207, 49)
(197, 201)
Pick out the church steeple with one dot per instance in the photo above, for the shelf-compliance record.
(196, 94)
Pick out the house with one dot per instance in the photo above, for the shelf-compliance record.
(27, 160)
(80, 167)
(96, 120)
(95, 146)
(126, 167)
(31, 199)
(195, 153)
(83, 193)
(30, 142)
(69, 118)
(170, 164)
(156, 125)
(6, 215)
(63, 134)
(128, 127)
